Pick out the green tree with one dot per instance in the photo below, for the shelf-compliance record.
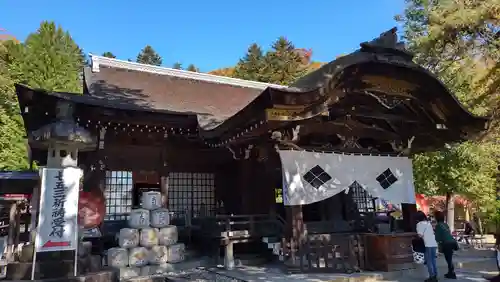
(49, 59)
(458, 41)
(177, 66)
(108, 55)
(250, 67)
(192, 68)
(13, 150)
(283, 65)
(149, 56)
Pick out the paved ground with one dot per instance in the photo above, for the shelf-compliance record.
(471, 266)
(468, 269)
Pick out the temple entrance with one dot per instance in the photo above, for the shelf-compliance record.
(313, 212)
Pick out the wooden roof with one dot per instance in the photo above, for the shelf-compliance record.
(378, 86)
(136, 86)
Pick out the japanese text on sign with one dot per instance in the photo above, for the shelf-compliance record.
(59, 197)
(58, 227)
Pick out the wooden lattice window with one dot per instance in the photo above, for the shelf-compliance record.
(363, 200)
(193, 192)
(119, 194)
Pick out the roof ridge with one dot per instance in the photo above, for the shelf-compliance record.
(97, 61)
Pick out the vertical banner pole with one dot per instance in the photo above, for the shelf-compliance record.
(76, 262)
(33, 265)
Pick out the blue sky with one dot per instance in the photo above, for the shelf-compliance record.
(210, 34)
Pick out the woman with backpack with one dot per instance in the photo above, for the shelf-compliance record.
(447, 244)
(426, 233)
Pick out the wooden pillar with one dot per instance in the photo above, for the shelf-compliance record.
(164, 190)
(409, 211)
(35, 200)
(244, 185)
(163, 172)
(18, 225)
(12, 232)
(295, 228)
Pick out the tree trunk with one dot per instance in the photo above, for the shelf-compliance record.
(450, 210)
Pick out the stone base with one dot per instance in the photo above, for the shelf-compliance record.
(43, 270)
(52, 269)
(102, 276)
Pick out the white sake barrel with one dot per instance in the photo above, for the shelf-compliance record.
(176, 253)
(117, 257)
(138, 256)
(160, 218)
(147, 270)
(139, 218)
(151, 200)
(128, 238)
(158, 255)
(168, 235)
(129, 272)
(157, 269)
(148, 237)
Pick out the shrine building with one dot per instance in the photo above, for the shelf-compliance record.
(289, 170)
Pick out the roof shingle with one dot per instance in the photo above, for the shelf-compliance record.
(212, 102)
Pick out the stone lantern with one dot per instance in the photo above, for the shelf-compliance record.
(62, 138)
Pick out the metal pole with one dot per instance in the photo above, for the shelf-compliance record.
(76, 261)
(33, 264)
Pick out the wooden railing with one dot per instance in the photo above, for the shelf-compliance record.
(243, 227)
(331, 252)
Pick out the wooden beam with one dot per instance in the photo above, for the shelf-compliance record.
(335, 112)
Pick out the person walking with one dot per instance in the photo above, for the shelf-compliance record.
(426, 232)
(447, 244)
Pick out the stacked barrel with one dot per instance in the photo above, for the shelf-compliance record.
(149, 245)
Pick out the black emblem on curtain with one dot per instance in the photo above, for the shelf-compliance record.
(317, 176)
(386, 178)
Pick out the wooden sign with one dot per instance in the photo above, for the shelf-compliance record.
(279, 114)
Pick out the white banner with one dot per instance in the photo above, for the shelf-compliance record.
(310, 177)
(58, 216)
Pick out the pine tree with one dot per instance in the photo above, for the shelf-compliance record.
(177, 66)
(108, 55)
(192, 68)
(49, 59)
(250, 67)
(149, 56)
(283, 65)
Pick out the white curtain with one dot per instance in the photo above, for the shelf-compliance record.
(310, 177)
